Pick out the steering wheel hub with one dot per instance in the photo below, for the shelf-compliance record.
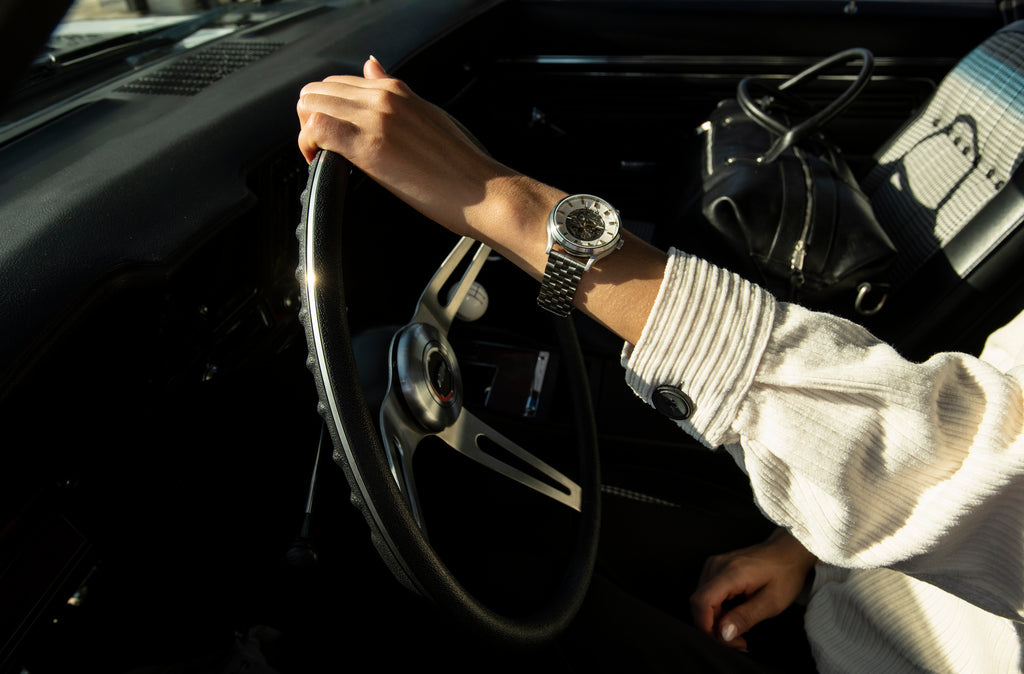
(428, 376)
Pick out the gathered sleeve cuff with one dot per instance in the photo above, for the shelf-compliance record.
(703, 342)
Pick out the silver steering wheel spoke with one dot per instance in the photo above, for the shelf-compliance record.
(401, 436)
(475, 439)
(439, 311)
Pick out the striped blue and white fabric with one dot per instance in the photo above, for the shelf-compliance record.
(950, 160)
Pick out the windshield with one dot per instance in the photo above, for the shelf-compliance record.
(89, 22)
(99, 40)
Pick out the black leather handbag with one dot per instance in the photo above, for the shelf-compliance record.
(783, 198)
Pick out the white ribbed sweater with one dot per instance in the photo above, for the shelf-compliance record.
(906, 480)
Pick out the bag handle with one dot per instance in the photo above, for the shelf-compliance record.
(790, 135)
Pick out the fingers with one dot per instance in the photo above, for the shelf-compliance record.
(733, 638)
(322, 131)
(373, 70)
(344, 113)
(344, 118)
(766, 578)
(721, 581)
(713, 615)
(704, 611)
(740, 619)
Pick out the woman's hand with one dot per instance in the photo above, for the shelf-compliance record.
(412, 148)
(766, 577)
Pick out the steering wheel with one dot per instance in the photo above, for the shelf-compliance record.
(788, 135)
(425, 399)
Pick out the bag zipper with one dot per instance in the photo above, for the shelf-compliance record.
(796, 260)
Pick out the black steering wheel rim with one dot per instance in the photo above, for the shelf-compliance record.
(359, 451)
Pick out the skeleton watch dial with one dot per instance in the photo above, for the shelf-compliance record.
(585, 225)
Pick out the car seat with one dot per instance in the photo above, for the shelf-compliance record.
(948, 188)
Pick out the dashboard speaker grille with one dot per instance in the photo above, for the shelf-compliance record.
(192, 73)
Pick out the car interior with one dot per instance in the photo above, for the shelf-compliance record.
(173, 475)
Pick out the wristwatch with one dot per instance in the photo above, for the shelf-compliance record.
(585, 229)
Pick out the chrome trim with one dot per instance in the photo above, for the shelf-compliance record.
(464, 436)
(346, 442)
(431, 309)
(727, 60)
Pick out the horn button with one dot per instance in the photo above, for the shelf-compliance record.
(428, 375)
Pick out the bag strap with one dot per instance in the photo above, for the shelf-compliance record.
(787, 136)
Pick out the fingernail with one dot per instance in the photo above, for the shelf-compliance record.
(728, 632)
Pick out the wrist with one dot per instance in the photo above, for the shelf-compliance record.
(800, 555)
(512, 219)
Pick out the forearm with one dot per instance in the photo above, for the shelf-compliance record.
(422, 156)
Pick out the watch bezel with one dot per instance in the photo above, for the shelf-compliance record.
(609, 241)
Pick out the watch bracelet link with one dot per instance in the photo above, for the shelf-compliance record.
(562, 275)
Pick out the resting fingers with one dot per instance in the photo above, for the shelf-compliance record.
(724, 579)
(765, 578)
(347, 115)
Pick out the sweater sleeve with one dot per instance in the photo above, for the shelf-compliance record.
(868, 459)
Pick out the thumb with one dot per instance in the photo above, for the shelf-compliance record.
(373, 70)
(743, 617)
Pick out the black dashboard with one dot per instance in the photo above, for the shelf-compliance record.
(79, 184)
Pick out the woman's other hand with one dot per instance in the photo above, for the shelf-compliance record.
(764, 578)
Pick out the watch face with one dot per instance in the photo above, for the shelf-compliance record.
(585, 224)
